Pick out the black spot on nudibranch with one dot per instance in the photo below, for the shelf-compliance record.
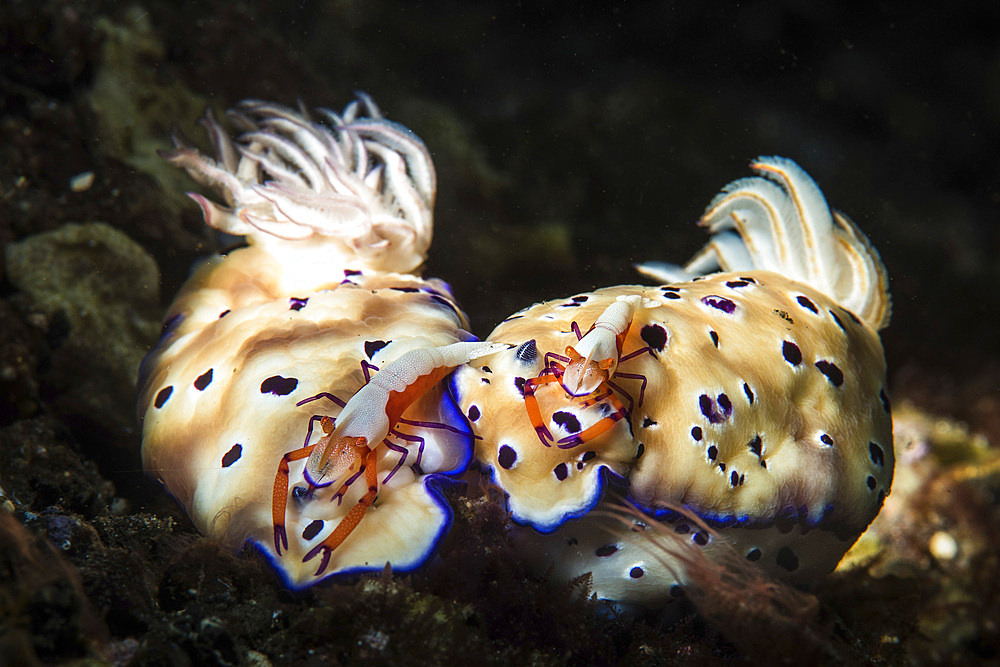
(580, 299)
(518, 384)
(719, 303)
(474, 413)
(871, 482)
(838, 321)
(232, 456)
(753, 555)
(755, 445)
(567, 420)
(224, 313)
(647, 422)
(671, 294)
(560, 472)
(734, 478)
(527, 352)
(654, 336)
(506, 457)
(885, 400)
(640, 450)
(587, 456)
(791, 352)
(279, 386)
(696, 432)
(736, 283)
(373, 346)
(636, 572)
(748, 392)
(312, 530)
(295, 303)
(606, 550)
(878, 456)
(827, 440)
(713, 453)
(806, 303)
(787, 559)
(708, 406)
(162, 396)
(700, 538)
(715, 338)
(203, 380)
(831, 371)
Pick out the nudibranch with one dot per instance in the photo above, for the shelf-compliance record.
(294, 399)
(749, 390)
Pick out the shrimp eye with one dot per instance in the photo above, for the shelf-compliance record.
(527, 353)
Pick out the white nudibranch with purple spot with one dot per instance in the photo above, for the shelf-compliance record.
(295, 397)
(748, 390)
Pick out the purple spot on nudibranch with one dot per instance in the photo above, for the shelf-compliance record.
(719, 303)
(519, 385)
(708, 408)
(203, 380)
(878, 456)
(373, 346)
(506, 457)
(162, 396)
(636, 572)
(831, 371)
(560, 471)
(791, 352)
(806, 303)
(567, 420)
(279, 386)
(351, 272)
(312, 530)
(295, 303)
(232, 456)
(606, 550)
(654, 336)
(474, 413)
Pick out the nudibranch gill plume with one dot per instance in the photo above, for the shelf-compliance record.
(294, 399)
(748, 390)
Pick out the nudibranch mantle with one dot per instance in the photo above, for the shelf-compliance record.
(264, 342)
(753, 398)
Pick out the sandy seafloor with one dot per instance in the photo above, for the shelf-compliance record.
(569, 143)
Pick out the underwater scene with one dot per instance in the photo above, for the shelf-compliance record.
(340, 332)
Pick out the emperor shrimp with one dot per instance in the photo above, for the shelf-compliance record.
(320, 320)
(753, 396)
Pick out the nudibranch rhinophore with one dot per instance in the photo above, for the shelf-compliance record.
(295, 398)
(749, 389)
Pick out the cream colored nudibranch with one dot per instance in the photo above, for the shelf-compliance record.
(265, 347)
(753, 396)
